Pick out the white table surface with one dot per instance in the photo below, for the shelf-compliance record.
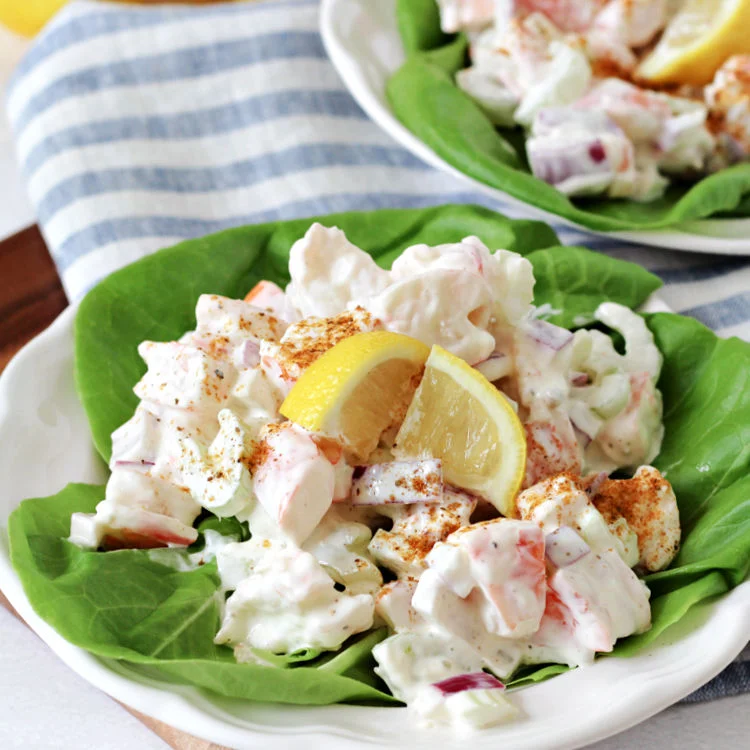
(46, 706)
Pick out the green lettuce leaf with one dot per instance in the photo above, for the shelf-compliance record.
(155, 297)
(574, 281)
(425, 99)
(124, 605)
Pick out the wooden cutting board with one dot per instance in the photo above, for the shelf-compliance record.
(31, 297)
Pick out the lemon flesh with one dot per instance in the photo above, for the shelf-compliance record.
(457, 415)
(358, 389)
(697, 42)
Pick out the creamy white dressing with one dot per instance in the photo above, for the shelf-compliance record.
(284, 601)
(468, 597)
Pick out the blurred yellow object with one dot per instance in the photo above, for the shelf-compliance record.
(697, 41)
(27, 17)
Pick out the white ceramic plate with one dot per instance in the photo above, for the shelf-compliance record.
(45, 444)
(362, 40)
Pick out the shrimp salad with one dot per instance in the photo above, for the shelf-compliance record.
(339, 546)
(566, 71)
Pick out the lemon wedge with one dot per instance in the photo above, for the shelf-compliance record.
(459, 416)
(28, 16)
(359, 388)
(697, 41)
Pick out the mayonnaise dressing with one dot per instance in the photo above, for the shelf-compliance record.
(468, 598)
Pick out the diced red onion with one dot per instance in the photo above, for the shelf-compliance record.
(399, 482)
(471, 681)
(556, 161)
(579, 378)
(564, 547)
(250, 353)
(549, 335)
(593, 489)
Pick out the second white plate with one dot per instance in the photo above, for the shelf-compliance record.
(362, 40)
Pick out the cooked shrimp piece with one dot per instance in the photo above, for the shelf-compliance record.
(446, 611)
(117, 527)
(140, 511)
(728, 99)
(620, 23)
(328, 272)
(183, 376)
(670, 131)
(292, 479)
(568, 15)
(218, 317)
(416, 529)
(557, 639)
(633, 436)
(271, 299)
(509, 275)
(303, 342)
(648, 504)
(393, 605)
(444, 306)
(232, 330)
(606, 599)
(623, 25)
(497, 569)
(534, 61)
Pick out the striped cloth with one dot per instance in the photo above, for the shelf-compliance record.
(138, 127)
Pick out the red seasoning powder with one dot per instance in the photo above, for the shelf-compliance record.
(313, 337)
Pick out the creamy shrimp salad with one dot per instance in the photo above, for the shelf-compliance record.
(339, 547)
(566, 71)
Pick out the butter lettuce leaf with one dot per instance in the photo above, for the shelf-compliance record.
(124, 605)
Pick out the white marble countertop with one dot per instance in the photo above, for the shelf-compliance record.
(46, 706)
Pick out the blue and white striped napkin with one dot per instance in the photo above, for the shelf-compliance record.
(138, 127)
